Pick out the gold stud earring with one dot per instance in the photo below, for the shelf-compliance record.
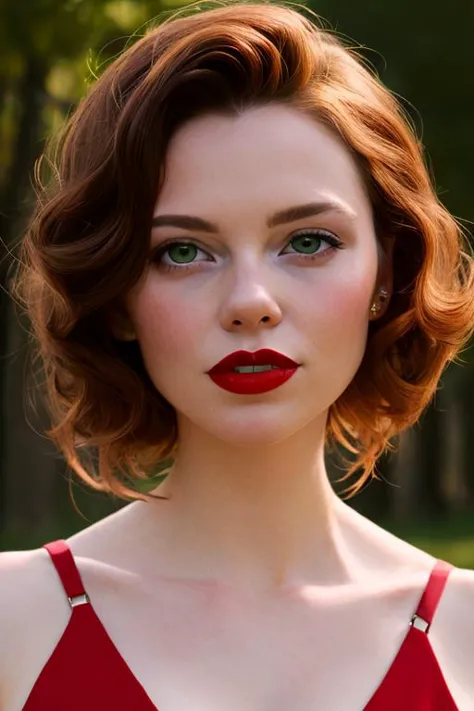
(383, 296)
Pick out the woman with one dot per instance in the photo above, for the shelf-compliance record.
(243, 259)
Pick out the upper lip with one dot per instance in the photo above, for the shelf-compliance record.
(265, 356)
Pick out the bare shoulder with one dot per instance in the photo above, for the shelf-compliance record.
(33, 612)
(452, 635)
(455, 615)
(25, 578)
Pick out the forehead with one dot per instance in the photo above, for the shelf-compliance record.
(264, 158)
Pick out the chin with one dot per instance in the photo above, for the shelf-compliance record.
(246, 429)
(253, 439)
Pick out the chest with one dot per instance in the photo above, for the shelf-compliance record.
(209, 650)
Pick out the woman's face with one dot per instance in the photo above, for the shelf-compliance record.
(302, 286)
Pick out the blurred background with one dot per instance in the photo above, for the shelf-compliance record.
(50, 52)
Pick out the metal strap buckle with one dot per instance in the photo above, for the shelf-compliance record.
(79, 600)
(419, 623)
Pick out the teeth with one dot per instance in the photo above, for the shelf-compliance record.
(254, 368)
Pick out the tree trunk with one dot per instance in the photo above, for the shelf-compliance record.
(406, 466)
(21, 451)
(465, 400)
(29, 482)
(454, 474)
(430, 498)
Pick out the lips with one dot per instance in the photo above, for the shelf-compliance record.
(265, 356)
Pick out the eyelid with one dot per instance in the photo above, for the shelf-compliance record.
(197, 243)
(159, 249)
(331, 239)
(157, 252)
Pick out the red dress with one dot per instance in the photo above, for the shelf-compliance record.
(86, 671)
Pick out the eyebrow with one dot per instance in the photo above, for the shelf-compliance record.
(290, 214)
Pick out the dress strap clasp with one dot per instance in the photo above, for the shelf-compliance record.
(423, 617)
(69, 575)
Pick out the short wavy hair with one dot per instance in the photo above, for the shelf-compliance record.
(88, 236)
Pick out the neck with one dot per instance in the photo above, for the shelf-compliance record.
(266, 515)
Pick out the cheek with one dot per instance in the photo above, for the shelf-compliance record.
(167, 327)
(336, 325)
(340, 308)
(352, 303)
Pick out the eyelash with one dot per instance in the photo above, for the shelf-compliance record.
(333, 242)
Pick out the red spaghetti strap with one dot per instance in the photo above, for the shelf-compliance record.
(85, 670)
(432, 593)
(415, 680)
(65, 565)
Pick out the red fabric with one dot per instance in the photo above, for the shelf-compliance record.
(415, 680)
(86, 671)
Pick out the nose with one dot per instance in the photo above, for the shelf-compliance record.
(249, 304)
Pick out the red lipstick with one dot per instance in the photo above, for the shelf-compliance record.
(247, 373)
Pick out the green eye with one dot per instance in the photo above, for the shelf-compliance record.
(311, 242)
(308, 244)
(182, 253)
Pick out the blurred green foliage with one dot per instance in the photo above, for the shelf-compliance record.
(451, 539)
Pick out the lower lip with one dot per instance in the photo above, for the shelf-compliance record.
(252, 383)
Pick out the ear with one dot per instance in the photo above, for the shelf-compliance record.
(120, 323)
(385, 278)
(385, 275)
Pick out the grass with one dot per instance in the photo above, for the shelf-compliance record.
(451, 539)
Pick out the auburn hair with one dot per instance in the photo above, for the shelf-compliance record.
(87, 239)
